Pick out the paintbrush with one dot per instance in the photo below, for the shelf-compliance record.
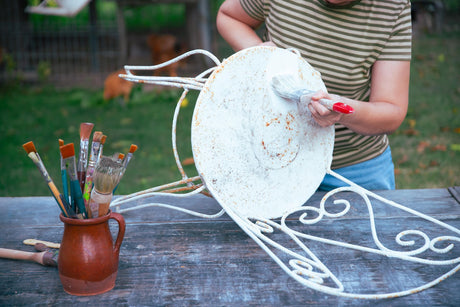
(29, 147)
(126, 160)
(34, 242)
(47, 258)
(289, 87)
(106, 177)
(94, 153)
(85, 132)
(65, 186)
(104, 137)
(119, 158)
(129, 155)
(68, 154)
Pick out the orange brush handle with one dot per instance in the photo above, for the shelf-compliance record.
(56, 193)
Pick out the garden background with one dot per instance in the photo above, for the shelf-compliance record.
(37, 107)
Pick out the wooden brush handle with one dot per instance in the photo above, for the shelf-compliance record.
(44, 258)
(35, 241)
(81, 175)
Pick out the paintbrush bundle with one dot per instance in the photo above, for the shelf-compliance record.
(91, 181)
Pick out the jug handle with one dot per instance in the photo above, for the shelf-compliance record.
(121, 230)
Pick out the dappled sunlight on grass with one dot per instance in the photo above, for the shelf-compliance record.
(426, 146)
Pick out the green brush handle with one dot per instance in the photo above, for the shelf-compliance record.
(78, 198)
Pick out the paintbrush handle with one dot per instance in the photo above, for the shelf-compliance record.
(57, 196)
(68, 207)
(52, 187)
(65, 186)
(78, 197)
(331, 105)
(81, 176)
(87, 189)
(44, 258)
(35, 241)
(99, 203)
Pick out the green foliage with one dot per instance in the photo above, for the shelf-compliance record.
(43, 71)
(155, 17)
(451, 5)
(43, 115)
(425, 148)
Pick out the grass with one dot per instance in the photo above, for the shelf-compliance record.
(426, 148)
(43, 115)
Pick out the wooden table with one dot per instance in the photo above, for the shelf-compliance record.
(169, 257)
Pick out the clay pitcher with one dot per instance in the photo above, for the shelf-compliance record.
(88, 258)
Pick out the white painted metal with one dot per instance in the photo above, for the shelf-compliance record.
(259, 154)
(262, 158)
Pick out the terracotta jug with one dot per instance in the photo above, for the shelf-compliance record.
(88, 258)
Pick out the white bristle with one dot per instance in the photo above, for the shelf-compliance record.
(287, 86)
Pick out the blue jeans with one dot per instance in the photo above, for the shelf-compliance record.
(374, 174)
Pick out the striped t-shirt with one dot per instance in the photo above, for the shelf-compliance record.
(342, 43)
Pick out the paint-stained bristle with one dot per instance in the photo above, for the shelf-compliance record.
(61, 142)
(121, 156)
(29, 147)
(97, 136)
(67, 150)
(133, 148)
(107, 174)
(104, 137)
(85, 130)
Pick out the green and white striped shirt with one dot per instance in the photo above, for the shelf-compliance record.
(342, 43)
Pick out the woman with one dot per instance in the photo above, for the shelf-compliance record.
(362, 49)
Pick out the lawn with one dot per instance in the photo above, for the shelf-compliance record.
(43, 115)
(426, 148)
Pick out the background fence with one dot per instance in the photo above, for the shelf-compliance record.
(104, 36)
(107, 34)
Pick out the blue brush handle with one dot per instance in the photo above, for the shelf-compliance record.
(77, 196)
(65, 187)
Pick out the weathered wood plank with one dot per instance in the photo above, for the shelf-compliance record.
(455, 192)
(170, 257)
(44, 211)
(190, 263)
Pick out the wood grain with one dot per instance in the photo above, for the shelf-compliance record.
(171, 258)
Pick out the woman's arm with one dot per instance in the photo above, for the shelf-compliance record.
(236, 26)
(387, 106)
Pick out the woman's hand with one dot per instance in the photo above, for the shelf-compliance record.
(322, 115)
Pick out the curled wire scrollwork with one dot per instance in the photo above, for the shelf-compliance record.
(302, 265)
(424, 242)
(305, 267)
